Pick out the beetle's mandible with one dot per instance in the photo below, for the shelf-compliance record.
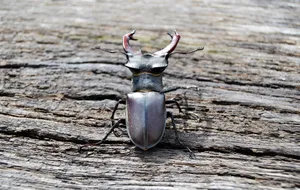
(146, 112)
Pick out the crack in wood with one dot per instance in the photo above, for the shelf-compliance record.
(254, 106)
(56, 94)
(94, 97)
(38, 134)
(23, 65)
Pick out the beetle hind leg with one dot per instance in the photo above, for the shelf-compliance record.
(170, 115)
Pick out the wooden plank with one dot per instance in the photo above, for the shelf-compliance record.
(57, 93)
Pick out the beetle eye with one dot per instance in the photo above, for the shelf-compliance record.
(157, 70)
(135, 71)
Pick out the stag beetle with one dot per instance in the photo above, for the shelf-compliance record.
(146, 106)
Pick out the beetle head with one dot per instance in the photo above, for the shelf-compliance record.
(147, 68)
(153, 63)
(147, 63)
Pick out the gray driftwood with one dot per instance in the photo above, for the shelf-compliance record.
(56, 93)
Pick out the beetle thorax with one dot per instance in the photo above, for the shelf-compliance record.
(147, 71)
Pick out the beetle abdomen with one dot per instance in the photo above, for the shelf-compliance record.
(145, 118)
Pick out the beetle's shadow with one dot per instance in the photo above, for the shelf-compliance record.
(167, 149)
(161, 153)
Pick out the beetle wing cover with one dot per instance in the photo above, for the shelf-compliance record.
(145, 118)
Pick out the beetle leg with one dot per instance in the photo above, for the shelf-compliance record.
(170, 89)
(112, 118)
(188, 52)
(170, 115)
(116, 107)
(174, 88)
(105, 137)
(110, 131)
(174, 101)
(191, 115)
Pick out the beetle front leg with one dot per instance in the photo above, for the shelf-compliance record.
(170, 89)
(170, 115)
(174, 88)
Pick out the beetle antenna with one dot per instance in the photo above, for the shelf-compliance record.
(188, 52)
(109, 50)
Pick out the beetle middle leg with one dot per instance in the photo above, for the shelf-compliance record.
(116, 125)
(112, 129)
(170, 115)
(177, 104)
(113, 124)
(187, 113)
(87, 146)
(112, 118)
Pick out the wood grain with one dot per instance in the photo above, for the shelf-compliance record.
(57, 93)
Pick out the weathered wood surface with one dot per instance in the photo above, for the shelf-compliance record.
(56, 92)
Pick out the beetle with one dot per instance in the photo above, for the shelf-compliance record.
(146, 112)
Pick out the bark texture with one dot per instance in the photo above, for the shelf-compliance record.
(242, 110)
